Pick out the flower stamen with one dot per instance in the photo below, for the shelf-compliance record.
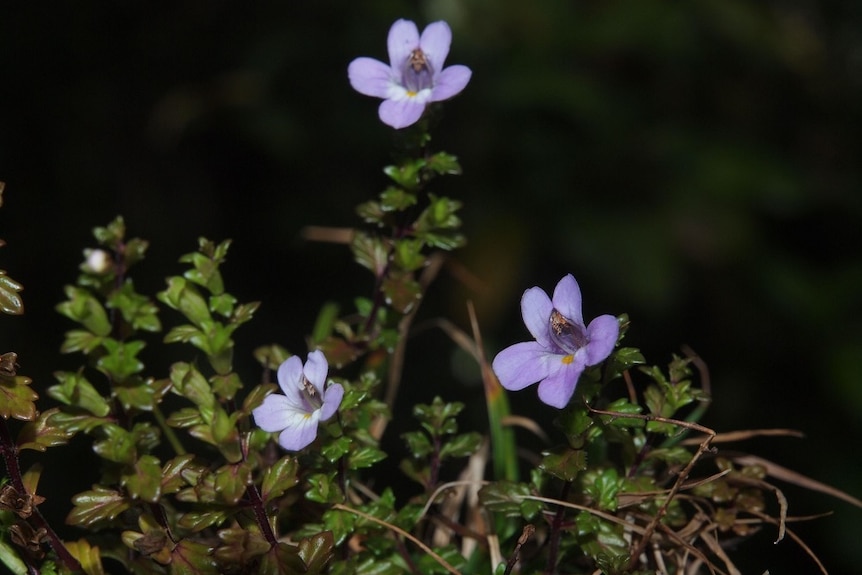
(565, 333)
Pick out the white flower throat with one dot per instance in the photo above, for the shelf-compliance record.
(566, 334)
(417, 73)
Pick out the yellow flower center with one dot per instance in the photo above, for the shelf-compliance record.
(567, 359)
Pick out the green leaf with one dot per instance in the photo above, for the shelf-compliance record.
(371, 212)
(323, 488)
(417, 443)
(444, 164)
(333, 450)
(43, 433)
(223, 304)
(111, 235)
(118, 444)
(197, 521)
(191, 558)
(406, 175)
(364, 456)
(461, 445)
(99, 504)
(231, 481)
(135, 308)
(191, 384)
(282, 559)
(623, 405)
(603, 486)
(141, 394)
(120, 361)
(279, 478)
(17, 399)
(80, 340)
(239, 547)
(408, 254)
(340, 524)
(396, 200)
(563, 462)
(183, 297)
(316, 551)
(226, 386)
(370, 252)
(10, 302)
(143, 480)
(172, 474)
(401, 291)
(75, 390)
(85, 309)
(508, 498)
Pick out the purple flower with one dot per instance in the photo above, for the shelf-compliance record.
(563, 346)
(304, 404)
(415, 75)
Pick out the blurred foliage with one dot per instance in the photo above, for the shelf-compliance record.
(692, 163)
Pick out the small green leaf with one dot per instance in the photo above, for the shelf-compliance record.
(406, 175)
(185, 298)
(323, 488)
(75, 390)
(282, 559)
(401, 291)
(370, 252)
(563, 462)
(118, 444)
(444, 164)
(231, 482)
(333, 450)
(279, 478)
(85, 309)
(396, 200)
(461, 445)
(17, 398)
(316, 551)
(364, 456)
(80, 340)
(43, 433)
(191, 558)
(222, 304)
(99, 504)
(508, 498)
(10, 302)
(143, 480)
(120, 361)
(418, 443)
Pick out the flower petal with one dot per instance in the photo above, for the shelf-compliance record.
(557, 389)
(401, 113)
(450, 82)
(435, 41)
(274, 413)
(602, 332)
(403, 39)
(522, 364)
(370, 77)
(536, 310)
(290, 381)
(300, 431)
(315, 370)
(331, 400)
(567, 299)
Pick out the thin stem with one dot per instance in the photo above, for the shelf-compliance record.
(168, 431)
(556, 531)
(260, 514)
(10, 457)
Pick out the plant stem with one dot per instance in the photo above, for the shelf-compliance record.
(10, 457)
(556, 531)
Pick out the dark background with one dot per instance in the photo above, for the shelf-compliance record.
(694, 164)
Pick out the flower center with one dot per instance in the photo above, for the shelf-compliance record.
(312, 399)
(566, 334)
(417, 74)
